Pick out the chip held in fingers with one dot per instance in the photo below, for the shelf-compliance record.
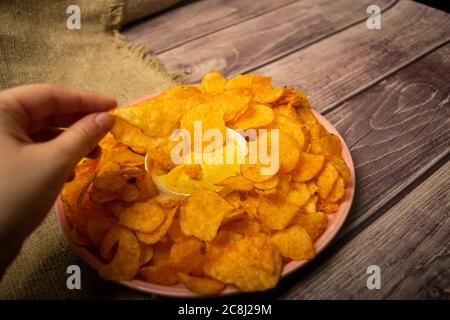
(209, 186)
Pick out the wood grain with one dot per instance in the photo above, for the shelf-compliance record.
(396, 130)
(410, 244)
(330, 70)
(268, 37)
(195, 20)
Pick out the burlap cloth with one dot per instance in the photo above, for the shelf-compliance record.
(36, 46)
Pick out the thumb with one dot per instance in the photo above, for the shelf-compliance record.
(82, 137)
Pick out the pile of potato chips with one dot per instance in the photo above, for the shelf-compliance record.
(240, 236)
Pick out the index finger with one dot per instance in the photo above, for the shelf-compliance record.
(36, 102)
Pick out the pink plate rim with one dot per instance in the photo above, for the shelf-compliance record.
(335, 222)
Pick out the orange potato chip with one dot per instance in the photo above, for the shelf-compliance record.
(125, 263)
(292, 127)
(294, 243)
(257, 115)
(188, 254)
(157, 117)
(174, 232)
(268, 184)
(338, 191)
(238, 183)
(214, 82)
(161, 274)
(326, 179)
(250, 205)
(157, 234)
(202, 214)
(142, 216)
(209, 115)
(109, 177)
(340, 166)
(201, 285)
(244, 225)
(275, 214)
(133, 136)
(331, 144)
(146, 254)
(254, 172)
(299, 196)
(251, 263)
(233, 102)
(327, 207)
(99, 223)
(289, 152)
(308, 166)
(314, 223)
(268, 95)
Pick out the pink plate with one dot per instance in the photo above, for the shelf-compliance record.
(335, 222)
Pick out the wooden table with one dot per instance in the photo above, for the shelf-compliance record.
(387, 92)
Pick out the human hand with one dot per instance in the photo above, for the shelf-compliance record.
(33, 164)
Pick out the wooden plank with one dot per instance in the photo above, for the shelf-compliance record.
(341, 66)
(410, 244)
(178, 26)
(397, 130)
(330, 70)
(266, 38)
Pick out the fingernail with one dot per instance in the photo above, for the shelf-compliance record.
(104, 120)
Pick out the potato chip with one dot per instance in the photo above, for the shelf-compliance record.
(314, 223)
(174, 232)
(284, 185)
(146, 254)
(340, 166)
(251, 263)
(233, 102)
(248, 81)
(167, 200)
(201, 285)
(157, 117)
(292, 127)
(299, 196)
(73, 192)
(125, 263)
(289, 152)
(331, 144)
(326, 179)
(244, 225)
(268, 184)
(250, 205)
(209, 115)
(254, 172)
(308, 166)
(142, 216)
(275, 214)
(187, 255)
(160, 274)
(202, 214)
(238, 183)
(327, 207)
(99, 223)
(157, 234)
(214, 82)
(294, 243)
(268, 95)
(109, 177)
(234, 199)
(133, 136)
(257, 115)
(338, 191)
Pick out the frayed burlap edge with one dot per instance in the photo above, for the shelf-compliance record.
(112, 21)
